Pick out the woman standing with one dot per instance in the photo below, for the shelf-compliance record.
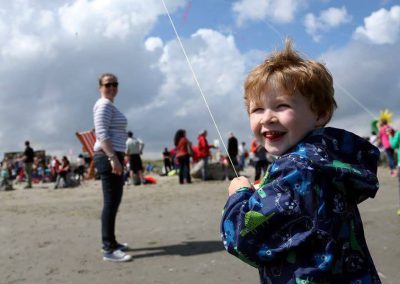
(110, 127)
(182, 154)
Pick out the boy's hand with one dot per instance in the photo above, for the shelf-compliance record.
(238, 183)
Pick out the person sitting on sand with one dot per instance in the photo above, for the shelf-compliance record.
(63, 172)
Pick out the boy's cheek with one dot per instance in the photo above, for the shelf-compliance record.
(255, 125)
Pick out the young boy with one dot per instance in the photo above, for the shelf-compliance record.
(302, 225)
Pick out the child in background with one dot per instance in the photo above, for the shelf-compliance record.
(384, 131)
(394, 138)
(302, 225)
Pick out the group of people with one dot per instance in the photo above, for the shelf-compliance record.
(184, 153)
(301, 222)
(31, 167)
(24, 166)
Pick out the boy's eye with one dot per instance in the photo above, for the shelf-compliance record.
(283, 106)
(256, 109)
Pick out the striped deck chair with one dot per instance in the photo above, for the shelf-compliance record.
(88, 138)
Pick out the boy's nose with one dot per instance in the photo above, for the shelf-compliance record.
(268, 117)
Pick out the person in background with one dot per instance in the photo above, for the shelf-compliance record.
(54, 168)
(260, 162)
(233, 148)
(242, 155)
(182, 155)
(253, 149)
(126, 170)
(110, 128)
(384, 129)
(134, 148)
(394, 139)
(63, 172)
(28, 158)
(80, 163)
(167, 161)
(6, 166)
(204, 152)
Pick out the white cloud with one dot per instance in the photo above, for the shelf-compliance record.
(279, 11)
(152, 43)
(112, 19)
(328, 19)
(218, 66)
(360, 89)
(51, 53)
(381, 27)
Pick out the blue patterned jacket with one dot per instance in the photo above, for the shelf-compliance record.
(302, 225)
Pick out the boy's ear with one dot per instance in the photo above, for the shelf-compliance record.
(322, 119)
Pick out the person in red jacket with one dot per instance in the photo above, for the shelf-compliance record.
(204, 152)
(182, 145)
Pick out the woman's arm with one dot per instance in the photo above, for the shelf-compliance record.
(102, 120)
(115, 163)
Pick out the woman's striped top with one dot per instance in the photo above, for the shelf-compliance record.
(109, 123)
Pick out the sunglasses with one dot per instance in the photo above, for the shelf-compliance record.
(109, 85)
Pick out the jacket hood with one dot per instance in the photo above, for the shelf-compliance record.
(347, 159)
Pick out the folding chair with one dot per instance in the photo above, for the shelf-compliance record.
(88, 138)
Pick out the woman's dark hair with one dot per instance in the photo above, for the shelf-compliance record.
(178, 135)
(102, 76)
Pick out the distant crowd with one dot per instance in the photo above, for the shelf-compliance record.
(32, 167)
(184, 160)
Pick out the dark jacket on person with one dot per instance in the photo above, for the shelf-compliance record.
(233, 147)
(302, 225)
(29, 155)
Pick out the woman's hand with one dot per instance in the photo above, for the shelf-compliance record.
(238, 183)
(116, 166)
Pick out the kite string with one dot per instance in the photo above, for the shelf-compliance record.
(198, 85)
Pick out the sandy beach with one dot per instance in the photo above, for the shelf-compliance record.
(53, 236)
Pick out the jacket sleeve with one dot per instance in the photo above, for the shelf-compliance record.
(395, 140)
(202, 144)
(265, 225)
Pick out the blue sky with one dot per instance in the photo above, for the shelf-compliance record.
(52, 51)
(260, 33)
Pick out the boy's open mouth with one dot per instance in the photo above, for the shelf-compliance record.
(273, 135)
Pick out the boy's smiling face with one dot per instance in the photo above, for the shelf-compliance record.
(281, 120)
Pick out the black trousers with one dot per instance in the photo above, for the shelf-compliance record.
(184, 169)
(112, 186)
